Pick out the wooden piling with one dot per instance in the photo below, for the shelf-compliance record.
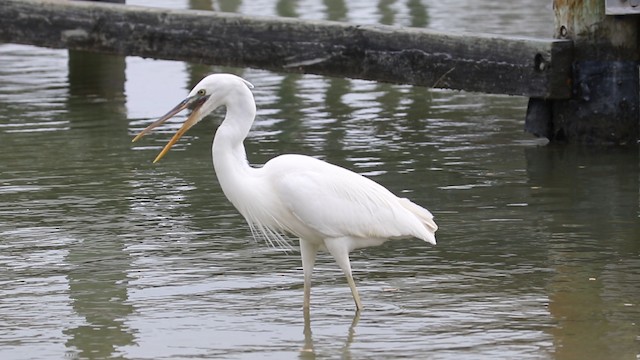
(604, 105)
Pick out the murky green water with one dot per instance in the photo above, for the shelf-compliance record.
(106, 255)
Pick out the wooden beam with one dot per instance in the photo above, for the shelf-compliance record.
(483, 63)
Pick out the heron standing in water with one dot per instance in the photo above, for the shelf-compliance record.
(326, 206)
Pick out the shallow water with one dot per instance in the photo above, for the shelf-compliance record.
(106, 255)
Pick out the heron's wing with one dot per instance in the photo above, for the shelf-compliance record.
(337, 202)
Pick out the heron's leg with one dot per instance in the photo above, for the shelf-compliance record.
(340, 250)
(308, 252)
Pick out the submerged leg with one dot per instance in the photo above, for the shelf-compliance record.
(308, 252)
(340, 252)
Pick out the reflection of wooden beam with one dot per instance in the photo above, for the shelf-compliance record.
(484, 63)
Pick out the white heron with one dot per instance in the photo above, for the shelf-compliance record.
(326, 206)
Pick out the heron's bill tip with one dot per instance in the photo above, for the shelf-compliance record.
(160, 156)
(137, 137)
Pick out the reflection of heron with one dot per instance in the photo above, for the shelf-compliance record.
(308, 350)
(326, 206)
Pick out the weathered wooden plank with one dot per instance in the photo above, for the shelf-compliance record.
(492, 64)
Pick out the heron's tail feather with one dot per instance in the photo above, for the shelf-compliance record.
(426, 218)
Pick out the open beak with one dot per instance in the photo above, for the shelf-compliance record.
(195, 103)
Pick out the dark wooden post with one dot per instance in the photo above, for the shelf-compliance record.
(604, 104)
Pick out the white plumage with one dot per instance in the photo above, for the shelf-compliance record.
(326, 206)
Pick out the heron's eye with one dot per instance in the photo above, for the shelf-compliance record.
(202, 92)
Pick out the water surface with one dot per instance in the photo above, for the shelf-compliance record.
(106, 255)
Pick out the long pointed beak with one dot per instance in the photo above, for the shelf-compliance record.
(195, 102)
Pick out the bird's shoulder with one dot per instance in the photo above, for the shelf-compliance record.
(294, 163)
(306, 172)
(333, 200)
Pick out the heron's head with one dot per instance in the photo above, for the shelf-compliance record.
(209, 94)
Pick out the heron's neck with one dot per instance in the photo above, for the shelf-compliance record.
(229, 155)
